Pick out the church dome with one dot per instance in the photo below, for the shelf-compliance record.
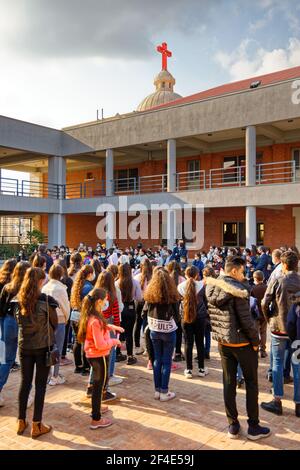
(164, 83)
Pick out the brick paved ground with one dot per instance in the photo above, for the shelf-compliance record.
(194, 420)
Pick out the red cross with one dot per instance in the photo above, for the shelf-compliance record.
(163, 49)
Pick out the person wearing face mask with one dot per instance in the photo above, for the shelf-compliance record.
(198, 263)
(81, 287)
(94, 332)
(103, 260)
(179, 251)
(210, 254)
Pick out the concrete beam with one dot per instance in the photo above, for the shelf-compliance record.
(271, 132)
(86, 158)
(260, 106)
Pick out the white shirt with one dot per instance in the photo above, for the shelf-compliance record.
(113, 259)
(183, 285)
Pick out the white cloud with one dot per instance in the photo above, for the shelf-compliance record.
(249, 59)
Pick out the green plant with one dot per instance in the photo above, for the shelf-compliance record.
(8, 251)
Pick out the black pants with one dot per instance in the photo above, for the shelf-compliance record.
(194, 332)
(79, 354)
(178, 339)
(138, 324)
(128, 321)
(248, 359)
(149, 345)
(100, 374)
(65, 346)
(29, 359)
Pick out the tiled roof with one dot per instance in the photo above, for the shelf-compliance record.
(233, 87)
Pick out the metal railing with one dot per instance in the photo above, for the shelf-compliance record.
(87, 189)
(226, 177)
(126, 185)
(266, 173)
(25, 188)
(276, 172)
(190, 180)
(153, 184)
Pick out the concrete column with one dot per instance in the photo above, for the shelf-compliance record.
(56, 230)
(250, 156)
(171, 165)
(171, 229)
(109, 172)
(250, 226)
(57, 222)
(296, 214)
(56, 170)
(110, 229)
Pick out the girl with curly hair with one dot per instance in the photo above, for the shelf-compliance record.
(161, 308)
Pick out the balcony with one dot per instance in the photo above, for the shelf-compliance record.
(217, 178)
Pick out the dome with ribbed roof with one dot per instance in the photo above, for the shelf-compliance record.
(164, 83)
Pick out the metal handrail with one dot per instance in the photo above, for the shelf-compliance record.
(266, 173)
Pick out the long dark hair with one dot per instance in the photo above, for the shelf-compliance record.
(77, 287)
(146, 272)
(18, 274)
(76, 263)
(161, 289)
(30, 291)
(7, 270)
(88, 310)
(106, 281)
(174, 270)
(190, 297)
(125, 282)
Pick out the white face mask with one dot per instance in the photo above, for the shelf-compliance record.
(105, 305)
(93, 277)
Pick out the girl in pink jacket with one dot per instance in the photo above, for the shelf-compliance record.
(94, 333)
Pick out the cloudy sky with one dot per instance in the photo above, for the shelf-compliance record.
(63, 59)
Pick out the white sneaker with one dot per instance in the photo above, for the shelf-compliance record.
(188, 374)
(156, 395)
(115, 381)
(2, 402)
(203, 372)
(167, 396)
(139, 351)
(59, 380)
(30, 399)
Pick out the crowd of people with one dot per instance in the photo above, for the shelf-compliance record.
(97, 303)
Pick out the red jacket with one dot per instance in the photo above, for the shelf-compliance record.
(112, 311)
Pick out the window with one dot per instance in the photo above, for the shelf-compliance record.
(231, 172)
(14, 230)
(296, 158)
(193, 169)
(260, 233)
(126, 179)
(234, 233)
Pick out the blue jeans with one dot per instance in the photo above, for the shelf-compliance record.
(287, 360)
(163, 345)
(59, 340)
(278, 346)
(9, 338)
(207, 338)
